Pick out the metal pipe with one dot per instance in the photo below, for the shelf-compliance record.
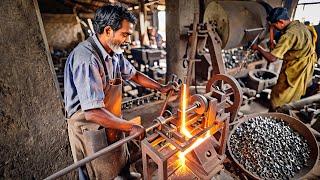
(301, 103)
(91, 157)
(194, 106)
(254, 29)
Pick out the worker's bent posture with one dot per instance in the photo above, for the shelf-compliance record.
(296, 48)
(93, 92)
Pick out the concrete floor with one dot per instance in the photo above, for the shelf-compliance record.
(254, 107)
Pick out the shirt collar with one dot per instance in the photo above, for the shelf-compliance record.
(104, 53)
(291, 24)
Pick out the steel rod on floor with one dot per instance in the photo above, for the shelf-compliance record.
(91, 157)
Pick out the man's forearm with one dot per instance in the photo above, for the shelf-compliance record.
(267, 55)
(106, 119)
(145, 81)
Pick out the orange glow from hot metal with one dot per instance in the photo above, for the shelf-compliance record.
(184, 105)
(184, 130)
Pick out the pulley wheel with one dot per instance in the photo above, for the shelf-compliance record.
(229, 86)
(202, 102)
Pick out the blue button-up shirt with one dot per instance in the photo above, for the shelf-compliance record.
(85, 78)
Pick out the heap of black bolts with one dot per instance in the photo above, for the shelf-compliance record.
(269, 148)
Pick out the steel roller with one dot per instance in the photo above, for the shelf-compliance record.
(238, 22)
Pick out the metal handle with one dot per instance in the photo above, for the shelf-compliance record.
(173, 79)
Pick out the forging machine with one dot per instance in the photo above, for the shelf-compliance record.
(193, 140)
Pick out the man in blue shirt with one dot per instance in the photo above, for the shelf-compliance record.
(93, 93)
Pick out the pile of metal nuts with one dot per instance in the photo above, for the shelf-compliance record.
(234, 57)
(268, 148)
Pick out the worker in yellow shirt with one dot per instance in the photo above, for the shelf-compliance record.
(296, 47)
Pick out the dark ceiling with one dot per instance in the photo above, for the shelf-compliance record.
(84, 6)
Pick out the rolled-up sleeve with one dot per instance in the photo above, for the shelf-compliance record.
(126, 68)
(89, 86)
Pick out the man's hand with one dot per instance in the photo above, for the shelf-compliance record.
(254, 47)
(267, 55)
(138, 129)
(170, 86)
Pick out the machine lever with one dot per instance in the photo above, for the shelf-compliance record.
(173, 80)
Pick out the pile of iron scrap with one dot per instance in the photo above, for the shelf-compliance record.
(268, 148)
(234, 57)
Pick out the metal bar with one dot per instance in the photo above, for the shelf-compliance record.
(301, 103)
(214, 45)
(193, 52)
(91, 157)
(194, 106)
(101, 152)
(145, 160)
(309, 3)
(166, 102)
(171, 153)
(196, 136)
(254, 29)
(193, 119)
(173, 78)
(169, 140)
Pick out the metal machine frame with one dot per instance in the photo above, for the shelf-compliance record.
(207, 114)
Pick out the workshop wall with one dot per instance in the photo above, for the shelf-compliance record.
(33, 140)
(63, 31)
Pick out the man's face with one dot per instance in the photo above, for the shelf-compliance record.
(279, 25)
(119, 39)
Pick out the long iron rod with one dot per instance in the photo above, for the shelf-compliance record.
(104, 151)
(254, 29)
(91, 157)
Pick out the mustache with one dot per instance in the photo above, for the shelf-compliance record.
(124, 45)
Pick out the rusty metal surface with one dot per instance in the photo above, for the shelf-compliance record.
(260, 79)
(215, 44)
(297, 126)
(233, 18)
(193, 49)
(231, 87)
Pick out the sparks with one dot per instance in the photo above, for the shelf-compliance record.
(184, 130)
